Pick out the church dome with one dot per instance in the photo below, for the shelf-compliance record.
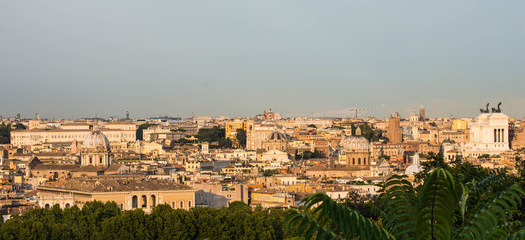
(415, 167)
(277, 136)
(96, 140)
(357, 143)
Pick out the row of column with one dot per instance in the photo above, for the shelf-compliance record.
(143, 201)
(499, 135)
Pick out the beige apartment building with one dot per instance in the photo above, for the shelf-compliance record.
(128, 193)
(257, 134)
(217, 195)
(304, 123)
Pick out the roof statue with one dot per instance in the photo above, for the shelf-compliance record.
(497, 110)
(486, 110)
(494, 110)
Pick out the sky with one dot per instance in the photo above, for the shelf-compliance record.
(73, 59)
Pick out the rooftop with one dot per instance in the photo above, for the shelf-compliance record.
(114, 185)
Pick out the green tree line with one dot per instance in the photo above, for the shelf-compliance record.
(97, 220)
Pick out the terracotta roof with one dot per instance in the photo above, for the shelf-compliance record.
(268, 190)
(114, 185)
(45, 167)
(339, 168)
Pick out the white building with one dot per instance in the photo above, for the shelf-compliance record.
(39, 136)
(489, 134)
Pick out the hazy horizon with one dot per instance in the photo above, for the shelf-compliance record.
(69, 60)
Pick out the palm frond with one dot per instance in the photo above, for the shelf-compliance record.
(518, 235)
(308, 226)
(399, 198)
(491, 217)
(435, 207)
(346, 222)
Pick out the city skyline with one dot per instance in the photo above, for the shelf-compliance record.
(343, 113)
(73, 60)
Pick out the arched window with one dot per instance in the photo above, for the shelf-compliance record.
(364, 161)
(353, 161)
(153, 200)
(122, 206)
(181, 204)
(47, 206)
(134, 202)
(100, 160)
(189, 204)
(144, 201)
(67, 205)
(173, 205)
(359, 161)
(90, 160)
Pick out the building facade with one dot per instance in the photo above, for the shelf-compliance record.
(128, 193)
(489, 134)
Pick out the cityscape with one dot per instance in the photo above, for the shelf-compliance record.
(265, 161)
(263, 120)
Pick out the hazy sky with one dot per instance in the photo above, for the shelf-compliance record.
(70, 59)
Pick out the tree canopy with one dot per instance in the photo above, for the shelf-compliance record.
(97, 220)
(140, 129)
(5, 131)
(241, 137)
(215, 134)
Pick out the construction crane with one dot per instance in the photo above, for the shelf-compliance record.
(356, 110)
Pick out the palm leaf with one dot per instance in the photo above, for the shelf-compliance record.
(435, 206)
(345, 223)
(516, 235)
(398, 197)
(486, 222)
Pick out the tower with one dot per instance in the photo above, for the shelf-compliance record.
(394, 132)
(413, 116)
(422, 116)
(127, 115)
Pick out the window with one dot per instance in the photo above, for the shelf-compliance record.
(144, 201)
(134, 202)
(153, 200)
(181, 204)
(189, 204)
